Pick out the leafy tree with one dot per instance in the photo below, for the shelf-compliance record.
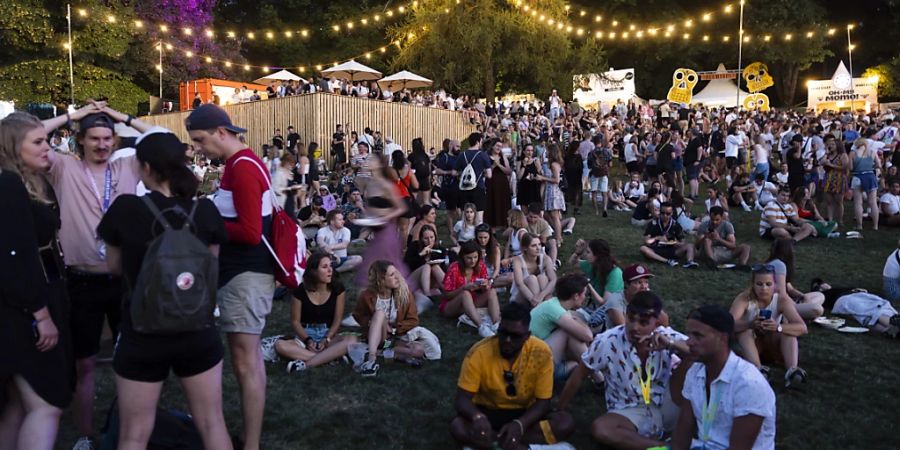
(888, 79)
(482, 47)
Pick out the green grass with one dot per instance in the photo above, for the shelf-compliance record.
(848, 402)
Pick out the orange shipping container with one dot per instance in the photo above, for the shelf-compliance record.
(208, 87)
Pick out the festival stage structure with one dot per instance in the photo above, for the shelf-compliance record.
(315, 116)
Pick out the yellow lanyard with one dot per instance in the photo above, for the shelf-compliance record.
(646, 383)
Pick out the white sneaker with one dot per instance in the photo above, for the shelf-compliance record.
(746, 207)
(83, 443)
(350, 322)
(267, 347)
(495, 326)
(486, 330)
(296, 366)
(465, 320)
(556, 446)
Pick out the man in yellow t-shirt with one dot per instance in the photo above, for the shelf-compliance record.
(505, 387)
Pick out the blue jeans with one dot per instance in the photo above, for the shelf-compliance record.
(762, 168)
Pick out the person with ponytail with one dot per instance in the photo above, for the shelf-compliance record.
(35, 359)
(142, 361)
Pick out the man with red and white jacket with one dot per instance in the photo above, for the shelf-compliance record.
(246, 268)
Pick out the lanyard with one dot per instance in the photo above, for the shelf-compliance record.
(646, 383)
(107, 187)
(708, 413)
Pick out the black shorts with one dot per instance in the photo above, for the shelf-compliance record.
(693, 172)
(730, 161)
(94, 298)
(633, 167)
(450, 196)
(666, 251)
(768, 234)
(477, 196)
(500, 417)
(149, 358)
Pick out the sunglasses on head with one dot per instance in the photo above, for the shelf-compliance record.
(762, 268)
(510, 380)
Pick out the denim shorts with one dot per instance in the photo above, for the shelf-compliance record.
(865, 181)
(316, 331)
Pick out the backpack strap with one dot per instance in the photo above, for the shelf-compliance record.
(275, 204)
(157, 214)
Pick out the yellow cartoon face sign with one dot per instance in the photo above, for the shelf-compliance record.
(757, 102)
(683, 82)
(757, 77)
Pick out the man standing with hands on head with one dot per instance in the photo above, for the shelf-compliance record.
(85, 188)
(246, 268)
(729, 404)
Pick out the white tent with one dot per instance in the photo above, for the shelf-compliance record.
(721, 92)
(353, 71)
(281, 75)
(403, 80)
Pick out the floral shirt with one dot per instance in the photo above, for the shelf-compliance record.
(612, 354)
(454, 278)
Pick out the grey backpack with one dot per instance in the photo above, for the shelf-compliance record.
(175, 291)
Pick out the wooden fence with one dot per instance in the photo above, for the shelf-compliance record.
(315, 116)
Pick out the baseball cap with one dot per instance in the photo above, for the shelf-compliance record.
(796, 138)
(209, 116)
(645, 303)
(160, 141)
(95, 120)
(715, 316)
(635, 272)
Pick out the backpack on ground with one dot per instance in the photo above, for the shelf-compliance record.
(287, 244)
(468, 180)
(175, 291)
(172, 430)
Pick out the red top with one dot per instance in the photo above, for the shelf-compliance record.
(246, 184)
(454, 278)
(402, 184)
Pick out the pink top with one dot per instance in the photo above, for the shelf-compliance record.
(81, 200)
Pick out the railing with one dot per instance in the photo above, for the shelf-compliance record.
(314, 117)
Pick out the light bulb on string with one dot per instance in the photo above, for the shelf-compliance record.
(707, 17)
(288, 34)
(164, 28)
(187, 31)
(210, 33)
(208, 59)
(138, 24)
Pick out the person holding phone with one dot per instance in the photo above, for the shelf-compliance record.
(467, 287)
(425, 259)
(767, 326)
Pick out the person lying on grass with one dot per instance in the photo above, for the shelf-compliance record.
(871, 311)
(767, 326)
(504, 390)
(594, 259)
(316, 311)
(467, 288)
(554, 323)
(636, 361)
(744, 415)
(386, 311)
(664, 240)
(534, 276)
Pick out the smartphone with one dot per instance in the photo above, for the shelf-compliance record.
(481, 281)
(765, 314)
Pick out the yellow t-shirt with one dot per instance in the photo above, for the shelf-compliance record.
(482, 373)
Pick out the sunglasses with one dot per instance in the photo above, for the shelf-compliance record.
(762, 268)
(510, 380)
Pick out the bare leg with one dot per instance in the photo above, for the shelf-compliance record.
(462, 303)
(336, 349)
(376, 334)
(806, 230)
(41, 421)
(247, 363)
(137, 411)
(204, 395)
(461, 430)
(748, 347)
(858, 207)
(11, 418)
(350, 264)
(811, 306)
(651, 255)
(873, 208)
(791, 350)
(618, 432)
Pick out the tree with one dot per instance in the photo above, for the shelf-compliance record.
(481, 47)
(888, 75)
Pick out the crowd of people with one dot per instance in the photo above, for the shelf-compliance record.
(98, 223)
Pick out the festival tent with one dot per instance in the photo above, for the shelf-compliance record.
(404, 80)
(353, 71)
(281, 75)
(719, 92)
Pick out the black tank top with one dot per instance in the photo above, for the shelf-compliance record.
(324, 313)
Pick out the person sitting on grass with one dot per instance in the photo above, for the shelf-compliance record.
(717, 242)
(518, 224)
(386, 311)
(316, 312)
(504, 390)
(334, 239)
(464, 229)
(890, 204)
(781, 257)
(617, 198)
(467, 288)
(767, 326)
(664, 240)
(637, 280)
(634, 190)
(765, 191)
(427, 216)
(499, 270)
(636, 362)
(779, 219)
(744, 415)
(594, 259)
(715, 198)
(646, 210)
(534, 276)
(553, 322)
(808, 211)
(742, 192)
(871, 311)
(424, 258)
(542, 229)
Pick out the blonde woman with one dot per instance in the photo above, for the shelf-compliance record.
(518, 224)
(386, 310)
(768, 326)
(464, 229)
(554, 200)
(866, 164)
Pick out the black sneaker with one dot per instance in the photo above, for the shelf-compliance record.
(605, 214)
(794, 377)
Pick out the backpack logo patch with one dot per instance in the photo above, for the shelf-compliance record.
(185, 281)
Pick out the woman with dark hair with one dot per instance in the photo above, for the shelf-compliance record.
(595, 260)
(421, 167)
(36, 373)
(528, 188)
(573, 164)
(316, 311)
(405, 184)
(554, 200)
(427, 216)
(499, 270)
(142, 361)
(808, 211)
(781, 258)
(467, 288)
(499, 194)
(425, 259)
(307, 174)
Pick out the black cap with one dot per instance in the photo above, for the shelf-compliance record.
(797, 138)
(210, 116)
(715, 316)
(645, 303)
(101, 120)
(159, 142)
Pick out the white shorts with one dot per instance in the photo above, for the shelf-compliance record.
(600, 184)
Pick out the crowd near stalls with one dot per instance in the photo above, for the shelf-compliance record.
(172, 244)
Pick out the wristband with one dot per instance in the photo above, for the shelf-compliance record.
(128, 120)
(521, 427)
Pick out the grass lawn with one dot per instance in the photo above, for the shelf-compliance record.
(842, 406)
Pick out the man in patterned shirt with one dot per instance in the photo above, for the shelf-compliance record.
(636, 361)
